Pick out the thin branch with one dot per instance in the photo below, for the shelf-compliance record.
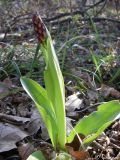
(95, 19)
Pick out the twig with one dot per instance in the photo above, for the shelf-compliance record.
(96, 4)
(62, 15)
(13, 119)
(97, 145)
(114, 145)
(14, 21)
(94, 105)
(95, 19)
(101, 8)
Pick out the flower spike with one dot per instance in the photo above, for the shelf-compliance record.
(39, 28)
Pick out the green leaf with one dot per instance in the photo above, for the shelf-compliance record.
(38, 155)
(94, 124)
(92, 137)
(50, 102)
(63, 156)
(54, 84)
(97, 65)
(44, 105)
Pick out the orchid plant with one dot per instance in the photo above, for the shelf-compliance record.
(50, 101)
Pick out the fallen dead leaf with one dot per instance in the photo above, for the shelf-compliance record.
(92, 95)
(7, 88)
(73, 102)
(9, 135)
(75, 144)
(14, 128)
(78, 155)
(36, 123)
(109, 91)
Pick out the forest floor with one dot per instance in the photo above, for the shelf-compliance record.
(88, 52)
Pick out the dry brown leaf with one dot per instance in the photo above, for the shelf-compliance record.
(109, 91)
(5, 87)
(73, 148)
(78, 155)
(75, 144)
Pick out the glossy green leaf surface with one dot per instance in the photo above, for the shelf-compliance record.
(36, 156)
(55, 89)
(44, 105)
(94, 124)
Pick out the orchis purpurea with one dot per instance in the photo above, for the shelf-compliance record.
(54, 92)
(51, 100)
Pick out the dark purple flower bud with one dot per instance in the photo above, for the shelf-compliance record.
(39, 28)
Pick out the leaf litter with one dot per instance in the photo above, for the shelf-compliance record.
(16, 120)
(27, 126)
(21, 117)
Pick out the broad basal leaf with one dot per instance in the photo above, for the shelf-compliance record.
(96, 122)
(44, 105)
